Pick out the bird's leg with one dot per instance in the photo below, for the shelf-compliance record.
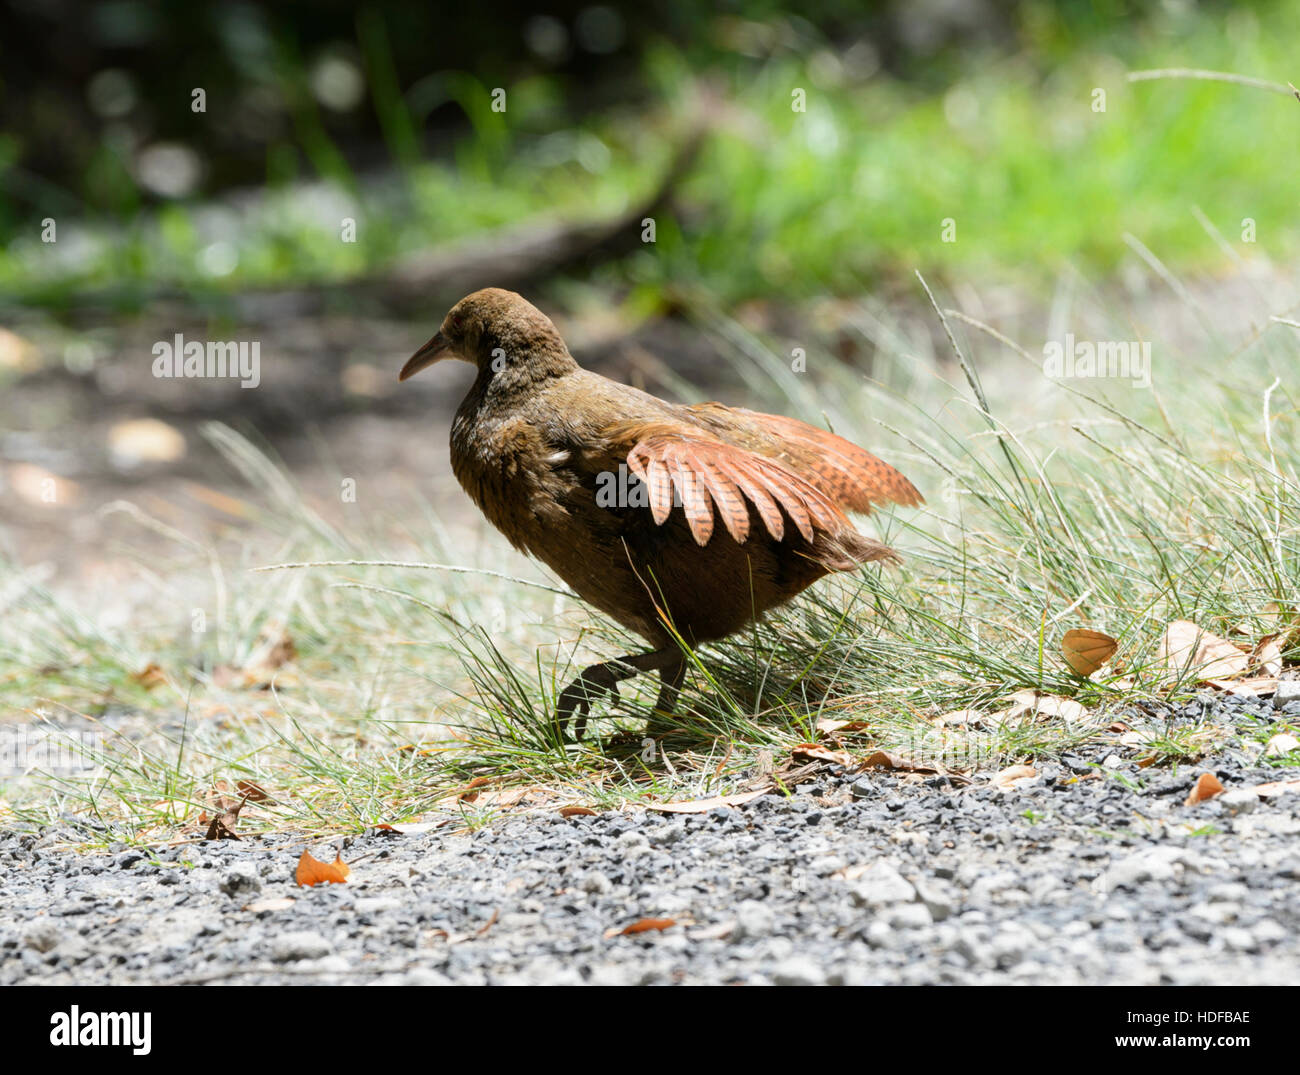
(671, 676)
(605, 677)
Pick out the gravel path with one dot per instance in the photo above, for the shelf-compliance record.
(877, 879)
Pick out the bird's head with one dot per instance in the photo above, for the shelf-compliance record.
(501, 333)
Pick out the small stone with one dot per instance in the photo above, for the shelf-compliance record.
(595, 883)
(1238, 939)
(1288, 691)
(377, 904)
(40, 937)
(909, 916)
(241, 881)
(1228, 892)
(127, 859)
(880, 886)
(798, 970)
(424, 976)
(1267, 931)
(862, 788)
(290, 947)
(753, 920)
(667, 835)
(938, 899)
(1239, 801)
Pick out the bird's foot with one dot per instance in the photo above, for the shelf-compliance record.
(574, 703)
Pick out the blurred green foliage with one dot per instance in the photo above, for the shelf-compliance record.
(997, 134)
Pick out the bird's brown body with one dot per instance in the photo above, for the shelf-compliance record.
(668, 518)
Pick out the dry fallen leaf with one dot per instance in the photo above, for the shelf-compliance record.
(813, 752)
(471, 790)
(222, 826)
(410, 828)
(1009, 777)
(1044, 707)
(830, 727)
(1276, 787)
(150, 676)
(642, 925)
(1254, 687)
(1085, 651)
(1282, 743)
(703, 806)
(267, 664)
(312, 871)
(1207, 787)
(144, 440)
(253, 793)
(882, 759)
(1186, 648)
(1267, 658)
(577, 811)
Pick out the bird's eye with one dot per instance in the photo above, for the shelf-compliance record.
(457, 322)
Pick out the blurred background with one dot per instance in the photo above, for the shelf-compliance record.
(326, 179)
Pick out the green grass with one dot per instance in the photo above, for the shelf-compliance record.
(1065, 504)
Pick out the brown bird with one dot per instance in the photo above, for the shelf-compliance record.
(675, 520)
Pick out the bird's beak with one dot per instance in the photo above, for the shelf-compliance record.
(434, 351)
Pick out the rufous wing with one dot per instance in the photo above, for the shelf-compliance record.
(710, 475)
(850, 476)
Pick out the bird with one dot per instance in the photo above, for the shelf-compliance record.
(682, 522)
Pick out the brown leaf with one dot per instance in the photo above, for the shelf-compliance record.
(642, 925)
(266, 664)
(312, 871)
(223, 826)
(703, 806)
(1044, 707)
(1254, 687)
(882, 759)
(1207, 787)
(577, 811)
(410, 828)
(1276, 787)
(1008, 777)
(1267, 659)
(252, 793)
(1086, 651)
(471, 790)
(813, 752)
(150, 676)
(1186, 648)
(1282, 743)
(829, 727)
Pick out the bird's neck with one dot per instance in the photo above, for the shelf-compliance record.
(509, 378)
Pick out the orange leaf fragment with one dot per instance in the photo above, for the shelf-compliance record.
(576, 811)
(1207, 787)
(312, 871)
(644, 925)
